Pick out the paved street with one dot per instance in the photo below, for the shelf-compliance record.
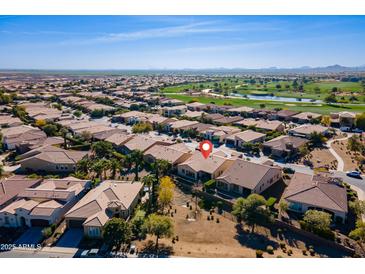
(46, 252)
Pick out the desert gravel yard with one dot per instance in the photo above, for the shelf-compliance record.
(209, 239)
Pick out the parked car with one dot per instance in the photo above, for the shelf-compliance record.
(345, 129)
(355, 174)
(92, 253)
(357, 130)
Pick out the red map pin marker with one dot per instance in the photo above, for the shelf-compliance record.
(206, 148)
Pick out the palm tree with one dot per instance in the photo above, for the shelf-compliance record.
(84, 165)
(114, 166)
(149, 181)
(137, 159)
(99, 167)
(64, 132)
(161, 168)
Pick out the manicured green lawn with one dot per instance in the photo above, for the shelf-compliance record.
(310, 92)
(318, 108)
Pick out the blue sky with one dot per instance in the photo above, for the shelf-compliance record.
(176, 42)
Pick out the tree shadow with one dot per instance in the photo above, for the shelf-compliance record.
(149, 251)
(253, 240)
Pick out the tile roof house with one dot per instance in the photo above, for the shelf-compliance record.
(12, 186)
(248, 136)
(318, 192)
(142, 143)
(9, 121)
(196, 106)
(306, 130)
(181, 125)
(239, 110)
(173, 111)
(14, 136)
(50, 159)
(306, 117)
(169, 153)
(29, 145)
(284, 146)
(44, 204)
(228, 120)
(197, 168)
(265, 125)
(219, 134)
(109, 199)
(286, 115)
(244, 177)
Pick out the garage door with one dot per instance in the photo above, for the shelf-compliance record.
(39, 222)
(75, 223)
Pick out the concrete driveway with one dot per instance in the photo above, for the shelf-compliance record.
(32, 236)
(71, 238)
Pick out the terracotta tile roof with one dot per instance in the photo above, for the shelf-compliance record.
(246, 174)
(95, 203)
(11, 187)
(317, 192)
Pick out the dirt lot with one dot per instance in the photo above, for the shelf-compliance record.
(203, 238)
(348, 156)
(321, 157)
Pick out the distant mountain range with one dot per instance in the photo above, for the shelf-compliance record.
(271, 70)
(304, 69)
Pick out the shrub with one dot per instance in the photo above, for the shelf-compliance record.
(209, 185)
(259, 254)
(270, 249)
(47, 232)
(270, 202)
(304, 252)
(282, 245)
(312, 252)
(290, 252)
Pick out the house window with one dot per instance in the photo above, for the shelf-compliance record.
(6, 220)
(235, 188)
(94, 232)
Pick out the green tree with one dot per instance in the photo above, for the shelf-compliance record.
(77, 113)
(317, 222)
(137, 223)
(150, 181)
(137, 159)
(142, 127)
(331, 98)
(358, 207)
(50, 129)
(360, 121)
(84, 165)
(317, 139)
(159, 226)
(116, 232)
(102, 149)
(100, 167)
(252, 210)
(358, 233)
(63, 133)
(354, 144)
(114, 166)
